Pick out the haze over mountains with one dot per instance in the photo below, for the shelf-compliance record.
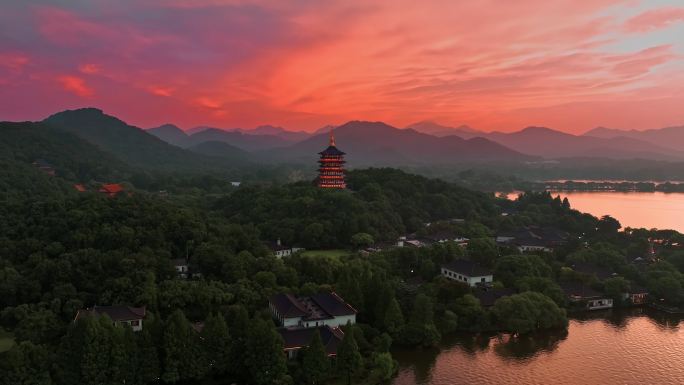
(85, 133)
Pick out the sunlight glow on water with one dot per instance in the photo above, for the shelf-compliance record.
(616, 350)
(633, 209)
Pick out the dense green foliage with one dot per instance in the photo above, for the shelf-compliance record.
(62, 251)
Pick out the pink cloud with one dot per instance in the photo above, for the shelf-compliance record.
(89, 68)
(76, 86)
(161, 91)
(13, 61)
(655, 19)
(245, 63)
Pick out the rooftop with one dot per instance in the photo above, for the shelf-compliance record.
(111, 188)
(299, 338)
(467, 268)
(116, 312)
(579, 289)
(316, 307)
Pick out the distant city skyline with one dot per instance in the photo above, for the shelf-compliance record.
(492, 65)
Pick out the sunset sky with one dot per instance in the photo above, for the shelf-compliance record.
(492, 64)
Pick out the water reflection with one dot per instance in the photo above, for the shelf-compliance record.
(524, 347)
(633, 346)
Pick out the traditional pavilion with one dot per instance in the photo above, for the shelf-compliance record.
(330, 171)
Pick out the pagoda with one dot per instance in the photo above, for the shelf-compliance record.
(330, 171)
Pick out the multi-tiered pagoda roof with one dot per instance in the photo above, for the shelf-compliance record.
(330, 171)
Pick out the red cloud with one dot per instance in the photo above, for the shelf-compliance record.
(655, 19)
(75, 85)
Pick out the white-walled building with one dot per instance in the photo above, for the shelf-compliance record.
(467, 272)
(279, 250)
(323, 309)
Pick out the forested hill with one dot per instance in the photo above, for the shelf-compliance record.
(62, 253)
(135, 146)
(385, 203)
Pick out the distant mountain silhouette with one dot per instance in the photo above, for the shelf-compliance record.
(171, 134)
(324, 129)
(131, 144)
(221, 150)
(238, 139)
(668, 137)
(549, 143)
(376, 143)
(432, 128)
(293, 136)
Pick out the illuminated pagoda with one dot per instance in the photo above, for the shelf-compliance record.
(330, 171)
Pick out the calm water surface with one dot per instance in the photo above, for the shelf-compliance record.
(633, 209)
(636, 347)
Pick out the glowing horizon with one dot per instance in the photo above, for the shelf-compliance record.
(492, 65)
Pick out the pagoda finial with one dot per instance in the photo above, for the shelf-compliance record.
(332, 138)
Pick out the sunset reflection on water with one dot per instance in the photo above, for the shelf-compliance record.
(608, 348)
(633, 209)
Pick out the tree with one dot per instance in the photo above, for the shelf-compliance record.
(615, 287)
(361, 240)
(25, 363)
(543, 285)
(384, 368)
(264, 356)
(315, 363)
(216, 341)
(394, 319)
(511, 268)
(349, 358)
(421, 329)
(527, 312)
(238, 325)
(183, 356)
(483, 251)
(469, 312)
(148, 365)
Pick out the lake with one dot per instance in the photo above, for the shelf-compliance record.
(636, 346)
(633, 209)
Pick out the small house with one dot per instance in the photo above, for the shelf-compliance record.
(581, 294)
(280, 250)
(467, 272)
(637, 295)
(182, 267)
(119, 314)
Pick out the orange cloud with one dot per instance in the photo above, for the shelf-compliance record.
(76, 86)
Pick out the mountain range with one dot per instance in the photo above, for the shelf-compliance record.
(376, 143)
(660, 144)
(669, 137)
(91, 143)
